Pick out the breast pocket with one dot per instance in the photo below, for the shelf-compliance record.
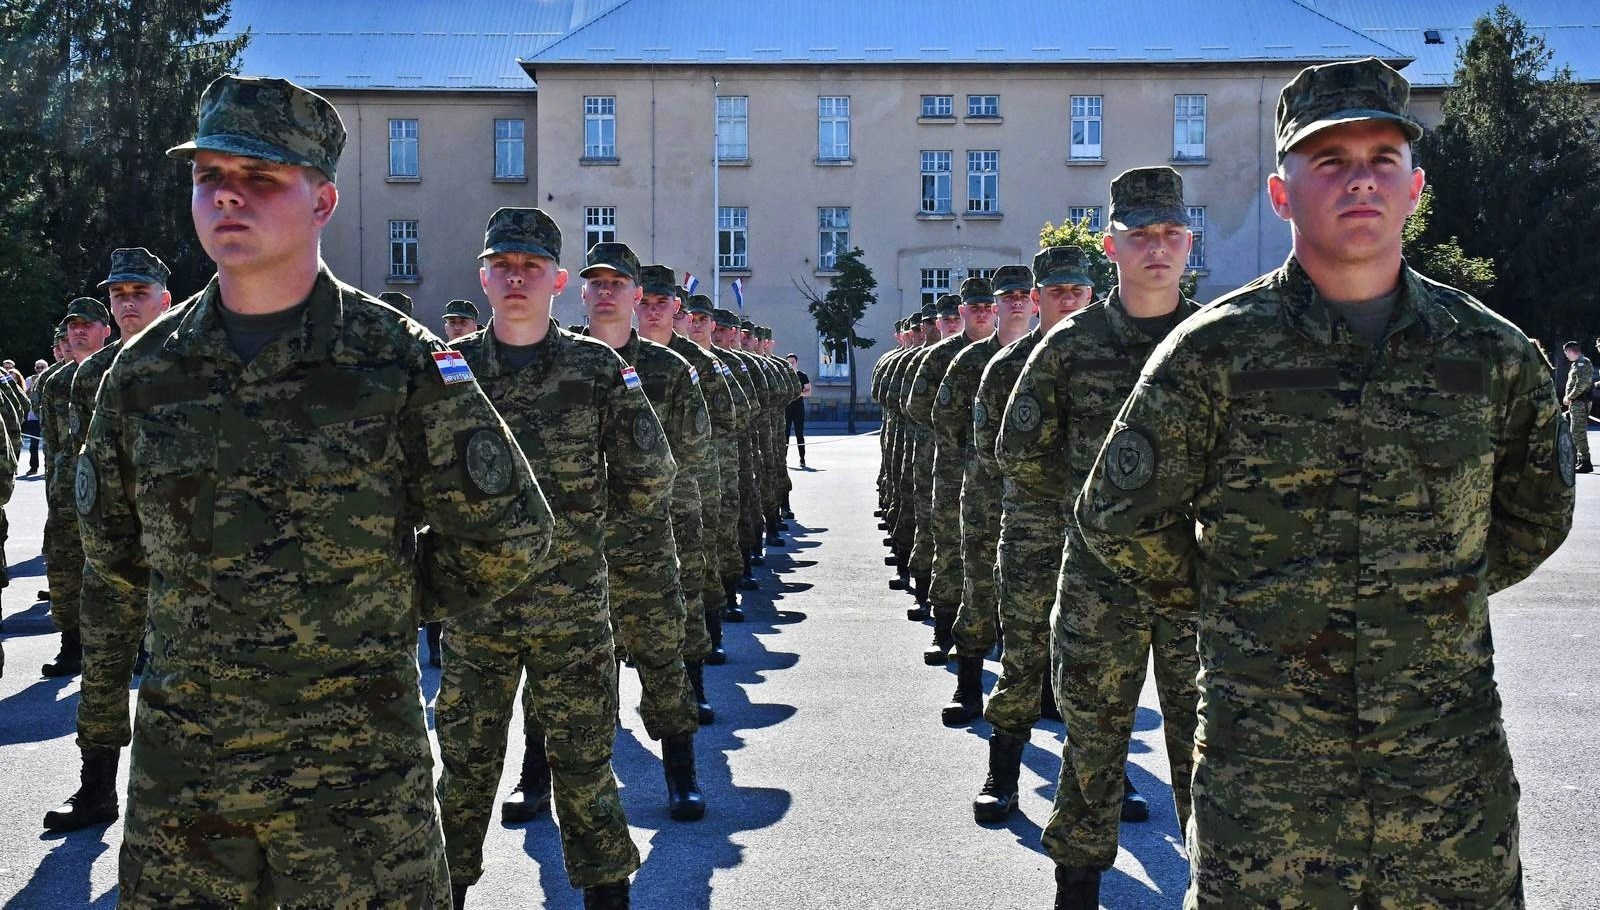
(1455, 455)
(173, 473)
(344, 488)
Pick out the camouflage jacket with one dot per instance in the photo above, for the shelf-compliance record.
(55, 429)
(1355, 510)
(81, 396)
(994, 390)
(1580, 380)
(713, 386)
(263, 513)
(952, 413)
(924, 386)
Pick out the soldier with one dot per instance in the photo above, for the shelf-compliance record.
(887, 429)
(1028, 551)
(1368, 455)
(963, 320)
(399, 301)
(977, 626)
(88, 326)
(729, 419)
(725, 338)
(460, 319)
(137, 288)
(599, 452)
(1580, 382)
(13, 411)
(903, 517)
(1103, 634)
(254, 470)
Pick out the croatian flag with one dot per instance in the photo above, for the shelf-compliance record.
(738, 292)
(452, 367)
(690, 282)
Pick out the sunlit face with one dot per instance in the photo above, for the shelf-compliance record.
(680, 317)
(521, 285)
(459, 327)
(1057, 301)
(1151, 257)
(84, 336)
(1347, 190)
(609, 296)
(978, 318)
(136, 304)
(655, 312)
(1015, 308)
(949, 325)
(699, 327)
(255, 215)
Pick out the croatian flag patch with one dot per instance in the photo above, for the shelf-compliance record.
(630, 377)
(744, 367)
(723, 369)
(694, 376)
(452, 367)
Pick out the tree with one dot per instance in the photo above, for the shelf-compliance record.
(1512, 167)
(1444, 261)
(92, 94)
(840, 311)
(1101, 268)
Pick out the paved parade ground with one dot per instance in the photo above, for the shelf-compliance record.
(830, 779)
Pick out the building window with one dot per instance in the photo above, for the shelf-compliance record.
(985, 274)
(833, 128)
(600, 126)
(1086, 126)
(938, 105)
(403, 148)
(833, 359)
(508, 146)
(936, 183)
(1197, 226)
(733, 237)
(599, 225)
(1086, 215)
(983, 181)
(935, 283)
(402, 249)
(983, 105)
(833, 235)
(1188, 126)
(733, 127)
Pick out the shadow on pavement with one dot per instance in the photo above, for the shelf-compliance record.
(28, 568)
(62, 878)
(35, 714)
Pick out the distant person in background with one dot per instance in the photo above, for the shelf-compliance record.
(795, 414)
(30, 425)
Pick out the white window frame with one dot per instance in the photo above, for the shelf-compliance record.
(937, 182)
(600, 126)
(733, 127)
(1088, 125)
(1188, 127)
(832, 363)
(599, 225)
(939, 106)
(983, 181)
(405, 247)
(1197, 227)
(982, 273)
(935, 284)
(404, 147)
(833, 127)
(510, 147)
(833, 235)
(1077, 213)
(733, 238)
(980, 106)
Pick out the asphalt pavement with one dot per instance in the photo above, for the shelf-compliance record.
(830, 779)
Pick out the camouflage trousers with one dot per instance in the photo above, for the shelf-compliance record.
(380, 852)
(63, 554)
(650, 635)
(695, 577)
(1027, 574)
(1269, 832)
(944, 532)
(1103, 636)
(781, 486)
(1580, 430)
(900, 512)
(921, 483)
(978, 621)
(725, 533)
(110, 647)
(573, 682)
(750, 531)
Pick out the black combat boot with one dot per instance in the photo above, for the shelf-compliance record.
(531, 796)
(936, 654)
(458, 896)
(900, 580)
(95, 803)
(697, 681)
(758, 557)
(70, 661)
(786, 511)
(1585, 467)
(1135, 808)
(774, 536)
(998, 798)
(883, 525)
(893, 559)
(684, 800)
(606, 897)
(747, 581)
(878, 513)
(802, 448)
(968, 701)
(919, 590)
(1077, 888)
(718, 655)
(1048, 709)
(731, 611)
(42, 594)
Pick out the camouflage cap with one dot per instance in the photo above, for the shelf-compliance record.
(658, 279)
(519, 230)
(135, 263)
(763, 333)
(399, 301)
(61, 330)
(1147, 195)
(1345, 92)
(618, 257)
(699, 304)
(270, 119)
(1062, 265)
(465, 309)
(725, 319)
(977, 290)
(87, 308)
(746, 325)
(1012, 278)
(929, 312)
(946, 306)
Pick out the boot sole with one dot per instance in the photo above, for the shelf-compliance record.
(1135, 812)
(688, 813)
(62, 826)
(955, 716)
(935, 658)
(523, 815)
(715, 660)
(994, 813)
(916, 614)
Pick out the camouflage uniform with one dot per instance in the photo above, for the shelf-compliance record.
(713, 387)
(63, 547)
(13, 408)
(907, 509)
(727, 404)
(1356, 511)
(1580, 382)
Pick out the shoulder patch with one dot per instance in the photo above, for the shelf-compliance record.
(452, 367)
(1025, 413)
(702, 422)
(744, 367)
(980, 415)
(646, 432)
(723, 368)
(1566, 453)
(630, 378)
(86, 484)
(488, 462)
(694, 375)
(1130, 460)
(943, 398)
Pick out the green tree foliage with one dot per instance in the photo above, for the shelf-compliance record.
(840, 311)
(1444, 260)
(92, 93)
(1102, 269)
(1513, 167)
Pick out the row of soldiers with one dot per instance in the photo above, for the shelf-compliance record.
(1292, 503)
(275, 481)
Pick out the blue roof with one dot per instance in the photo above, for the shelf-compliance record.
(1571, 31)
(958, 31)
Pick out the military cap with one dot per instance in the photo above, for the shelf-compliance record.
(946, 305)
(270, 119)
(763, 333)
(930, 313)
(700, 304)
(977, 290)
(1345, 92)
(399, 301)
(617, 257)
(1147, 195)
(86, 308)
(1012, 278)
(135, 263)
(466, 309)
(726, 319)
(746, 325)
(681, 292)
(658, 279)
(61, 331)
(1062, 265)
(520, 230)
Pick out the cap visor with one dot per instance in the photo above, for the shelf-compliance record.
(591, 269)
(1011, 286)
(1066, 278)
(665, 290)
(1143, 217)
(126, 277)
(531, 249)
(979, 298)
(1411, 128)
(244, 146)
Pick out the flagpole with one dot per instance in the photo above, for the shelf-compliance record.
(716, 197)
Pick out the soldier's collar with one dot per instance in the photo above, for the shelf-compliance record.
(492, 364)
(1123, 328)
(1310, 315)
(199, 332)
